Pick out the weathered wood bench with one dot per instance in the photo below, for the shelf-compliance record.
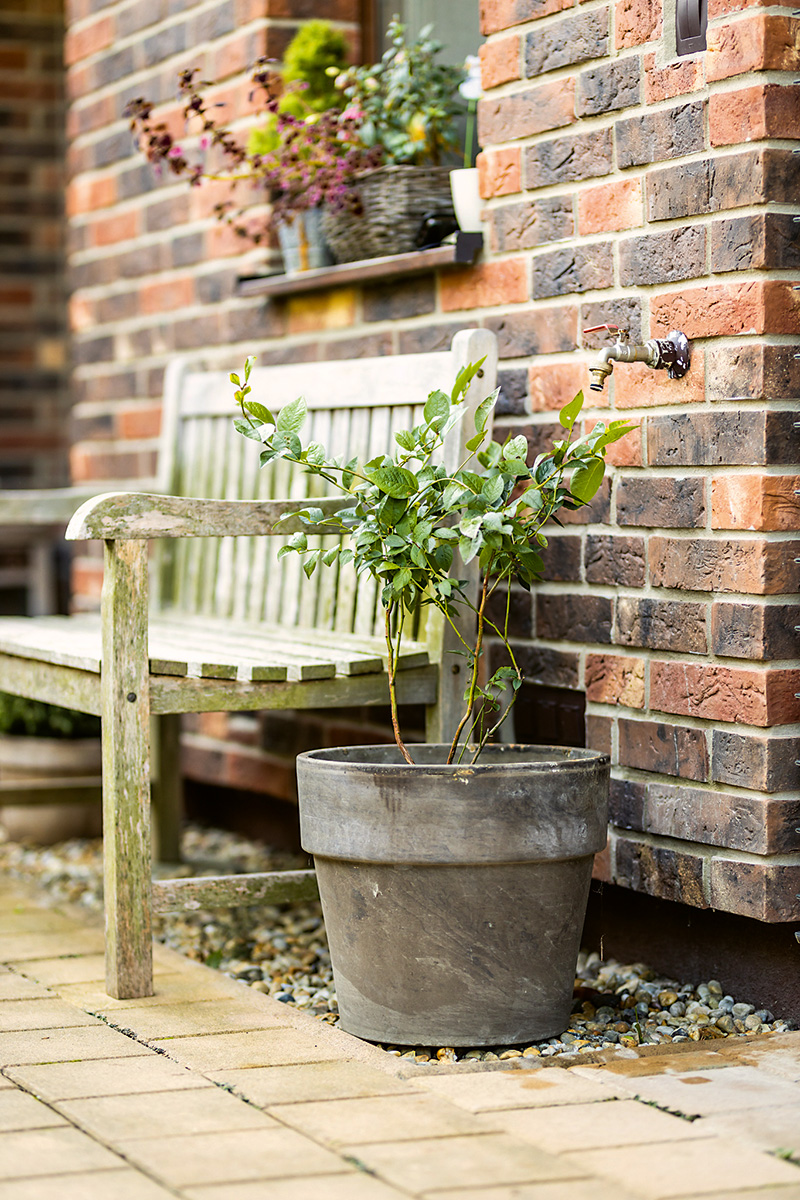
(226, 626)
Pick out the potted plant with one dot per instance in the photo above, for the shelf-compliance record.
(464, 184)
(40, 745)
(301, 161)
(453, 880)
(409, 105)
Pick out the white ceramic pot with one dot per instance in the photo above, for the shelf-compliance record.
(467, 200)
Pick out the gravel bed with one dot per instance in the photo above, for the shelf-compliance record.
(283, 952)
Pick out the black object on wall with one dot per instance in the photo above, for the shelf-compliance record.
(691, 20)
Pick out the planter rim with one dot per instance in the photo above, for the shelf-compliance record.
(566, 758)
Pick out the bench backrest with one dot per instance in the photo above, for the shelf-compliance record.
(355, 407)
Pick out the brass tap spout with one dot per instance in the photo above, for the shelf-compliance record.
(671, 353)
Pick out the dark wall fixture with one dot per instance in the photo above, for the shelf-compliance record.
(690, 26)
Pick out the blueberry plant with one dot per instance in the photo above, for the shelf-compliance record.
(407, 518)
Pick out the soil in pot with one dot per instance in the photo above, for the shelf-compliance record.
(454, 896)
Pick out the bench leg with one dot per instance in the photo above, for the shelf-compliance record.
(168, 789)
(126, 777)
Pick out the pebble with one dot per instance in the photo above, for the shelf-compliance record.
(282, 951)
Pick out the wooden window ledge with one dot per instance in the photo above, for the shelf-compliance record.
(460, 253)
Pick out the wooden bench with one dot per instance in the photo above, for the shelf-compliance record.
(215, 622)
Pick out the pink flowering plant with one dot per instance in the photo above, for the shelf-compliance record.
(313, 158)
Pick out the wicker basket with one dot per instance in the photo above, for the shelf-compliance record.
(395, 201)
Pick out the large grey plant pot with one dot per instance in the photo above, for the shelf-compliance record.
(453, 897)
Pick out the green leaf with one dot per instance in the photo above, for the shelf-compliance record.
(570, 412)
(405, 439)
(517, 448)
(292, 416)
(310, 565)
(484, 409)
(298, 541)
(393, 481)
(260, 411)
(437, 409)
(471, 480)
(246, 429)
(469, 547)
(586, 480)
(515, 466)
(475, 442)
(493, 488)
(330, 556)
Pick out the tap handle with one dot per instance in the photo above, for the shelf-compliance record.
(622, 334)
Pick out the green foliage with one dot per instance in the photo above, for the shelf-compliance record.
(407, 103)
(34, 719)
(407, 515)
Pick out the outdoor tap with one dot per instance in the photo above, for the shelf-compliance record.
(672, 353)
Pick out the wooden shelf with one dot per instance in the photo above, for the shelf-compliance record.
(460, 253)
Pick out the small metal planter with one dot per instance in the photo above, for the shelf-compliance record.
(302, 242)
(454, 896)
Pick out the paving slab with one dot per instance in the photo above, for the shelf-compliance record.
(567, 1127)
(159, 1114)
(21, 947)
(105, 1077)
(301, 1082)
(569, 1189)
(17, 987)
(40, 1012)
(378, 1119)
(778, 1054)
(25, 917)
(65, 1045)
(125, 1184)
(185, 1018)
(232, 1157)
(170, 988)
(482, 1091)
(432, 1164)
(769, 1128)
(353, 1186)
(690, 1168)
(262, 1048)
(19, 1111)
(29, 1153)
(699, 1093)
(80, 968)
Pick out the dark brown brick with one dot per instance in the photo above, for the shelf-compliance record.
(424, 338)
(596, 512)
(661, 624)
(663, 257)
(400, 298)
(513, 392)
(730, 181)
(655, 137)
(764, 632)
(657, 871)
(753, 372)
(197, 331)
(759, 241)
(573, 269)
(765, 762)
(518, 609)
(763, 890)
(742, 438)
(730, 565)
(570, 40)
(540, 331)
(554, 668)
(626, 804)
(757, 824)
(574, 618)
(626, 312)
(562, 558)
(566, 159)
(610, 87)
(599, 732)
(213, 23)
(663, 749)
(533, 223)
(616, 560)
(666, 502)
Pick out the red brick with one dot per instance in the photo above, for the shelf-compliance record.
(611, 206)
(766, 110)
(500, 61)
(658, 871)
(499, 172)
(758, 306)
(765, 502)
(664, 749)
(167, 295)
(636, 22)
(501, 14)
(760, 42)
(677, 79)
(749, 695)
(121, 227)
(721, 8)
(87, 579)
(599, 731)
(637, 386)
(553, 385)
(139, 421)
(88, 39)
(601, 866)
(550, 105)
(763, 890)
(627, 452)
(612, 679)
(484, 286)
(748, 566)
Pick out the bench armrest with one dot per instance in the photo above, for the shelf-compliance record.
(41, 506)
(137, 516)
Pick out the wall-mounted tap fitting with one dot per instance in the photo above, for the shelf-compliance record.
(672, 353)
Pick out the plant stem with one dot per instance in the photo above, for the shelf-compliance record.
(475, 666)
(392, 672)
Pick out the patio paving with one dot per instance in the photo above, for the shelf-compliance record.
(212, 1091)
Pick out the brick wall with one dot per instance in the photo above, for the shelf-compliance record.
(33, 342)
(622, 186)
